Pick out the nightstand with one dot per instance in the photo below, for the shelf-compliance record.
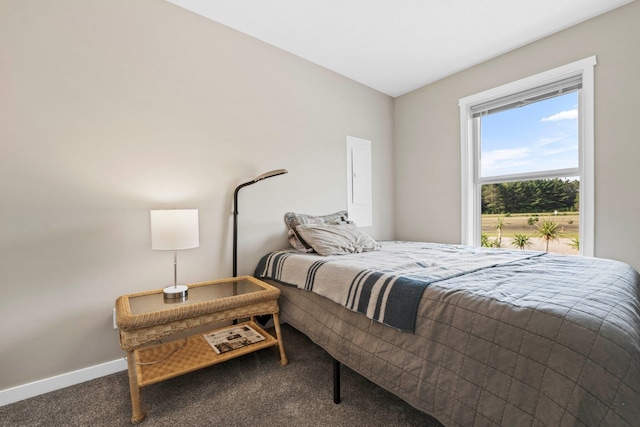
(145, 318)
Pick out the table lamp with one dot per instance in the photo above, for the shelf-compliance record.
(174, 230)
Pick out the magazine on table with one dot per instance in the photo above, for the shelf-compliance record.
(232, 338)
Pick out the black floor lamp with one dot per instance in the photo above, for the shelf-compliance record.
(265, 175)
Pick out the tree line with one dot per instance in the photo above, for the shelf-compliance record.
(538, 195)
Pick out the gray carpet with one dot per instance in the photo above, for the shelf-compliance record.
(248, 391)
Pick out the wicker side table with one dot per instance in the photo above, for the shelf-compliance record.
(144, 318)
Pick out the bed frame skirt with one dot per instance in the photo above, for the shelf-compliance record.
(358, 343)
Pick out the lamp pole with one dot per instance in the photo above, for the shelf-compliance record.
(265, 175)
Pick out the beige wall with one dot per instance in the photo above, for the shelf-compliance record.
(109, 109)
(427, 133)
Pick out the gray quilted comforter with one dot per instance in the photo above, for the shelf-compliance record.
(545, 340)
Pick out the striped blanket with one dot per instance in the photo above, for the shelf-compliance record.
(384, 285)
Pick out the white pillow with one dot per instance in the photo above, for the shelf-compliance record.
(330, 239)
(292, 220)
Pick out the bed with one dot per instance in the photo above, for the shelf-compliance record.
(474, 336)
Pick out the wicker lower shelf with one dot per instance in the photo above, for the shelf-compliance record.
(164, 361)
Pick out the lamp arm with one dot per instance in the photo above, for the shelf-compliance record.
(235, 195)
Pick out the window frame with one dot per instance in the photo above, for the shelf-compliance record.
(471, 186)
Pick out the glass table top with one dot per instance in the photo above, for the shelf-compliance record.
(198, 293)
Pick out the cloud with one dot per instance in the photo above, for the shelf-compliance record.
(546, 141)
(563, 115)
(569, 149)
(505, 159)
(524, 159)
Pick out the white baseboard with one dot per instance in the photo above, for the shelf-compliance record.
(47, 385)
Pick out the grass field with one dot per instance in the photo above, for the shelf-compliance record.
(518, 223)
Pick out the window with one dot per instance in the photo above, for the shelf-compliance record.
(488, 158)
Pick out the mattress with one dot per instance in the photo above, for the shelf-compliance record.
(535, 340)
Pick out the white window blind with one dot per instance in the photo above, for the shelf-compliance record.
(529, 96)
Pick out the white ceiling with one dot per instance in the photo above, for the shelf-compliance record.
(396, 46)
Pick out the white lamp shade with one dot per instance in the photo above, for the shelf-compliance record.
(174, 229)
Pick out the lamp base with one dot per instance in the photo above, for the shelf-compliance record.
(177, 293)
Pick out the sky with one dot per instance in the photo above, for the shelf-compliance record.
(538, 137)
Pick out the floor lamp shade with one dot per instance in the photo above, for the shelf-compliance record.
(174, 230)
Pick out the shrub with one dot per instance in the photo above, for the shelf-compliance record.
(521, 241)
